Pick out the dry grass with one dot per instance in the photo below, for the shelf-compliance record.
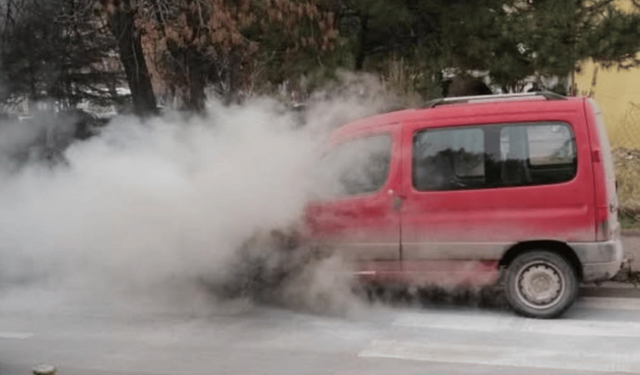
(627, 165)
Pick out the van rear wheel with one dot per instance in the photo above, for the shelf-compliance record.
(541, 284)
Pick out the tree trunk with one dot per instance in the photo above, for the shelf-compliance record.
(197, 82)
(122, 23)
(362, 42)
(234, 77)
(191, 78)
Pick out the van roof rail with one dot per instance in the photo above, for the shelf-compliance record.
(489, 98)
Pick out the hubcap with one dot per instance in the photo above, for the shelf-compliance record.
(540, 284)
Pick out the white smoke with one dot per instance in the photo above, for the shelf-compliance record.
(152, 206)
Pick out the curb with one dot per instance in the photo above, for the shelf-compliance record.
(610, 289)
(611, 285)
(630, 233)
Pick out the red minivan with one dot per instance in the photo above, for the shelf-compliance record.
(515, 188)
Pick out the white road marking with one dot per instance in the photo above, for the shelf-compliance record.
(505, 356)
(607, 303)
(514, 324)
(15, 335)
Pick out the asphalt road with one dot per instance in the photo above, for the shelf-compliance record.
(599, 335)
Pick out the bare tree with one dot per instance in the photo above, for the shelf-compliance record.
(215, 42)
(121, 18)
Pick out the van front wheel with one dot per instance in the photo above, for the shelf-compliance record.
(541, 284)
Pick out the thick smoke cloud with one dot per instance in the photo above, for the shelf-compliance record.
(144, 210)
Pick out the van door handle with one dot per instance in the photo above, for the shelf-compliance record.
(396, 202)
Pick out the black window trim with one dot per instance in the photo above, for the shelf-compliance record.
(500, 126)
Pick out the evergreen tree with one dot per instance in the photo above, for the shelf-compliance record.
(55, 49)
(510, 40)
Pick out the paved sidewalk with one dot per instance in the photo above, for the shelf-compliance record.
(631, 268)
(631, 244)
(611, 289)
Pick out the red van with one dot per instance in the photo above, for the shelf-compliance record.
(515, 188)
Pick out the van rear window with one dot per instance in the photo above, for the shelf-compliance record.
(489, 156)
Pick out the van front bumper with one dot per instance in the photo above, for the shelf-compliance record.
(600, 260)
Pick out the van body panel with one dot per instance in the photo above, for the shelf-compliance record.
(600, 260)
(460, 233)
(606, 200)
(483, 223)
(363, 227)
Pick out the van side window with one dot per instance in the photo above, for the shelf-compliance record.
(537, 154)
(358, 166)
(449, 159)
(490, 156)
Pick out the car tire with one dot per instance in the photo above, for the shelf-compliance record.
(541, 284)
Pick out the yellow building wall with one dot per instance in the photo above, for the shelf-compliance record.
(617, 92)
(618, 95)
